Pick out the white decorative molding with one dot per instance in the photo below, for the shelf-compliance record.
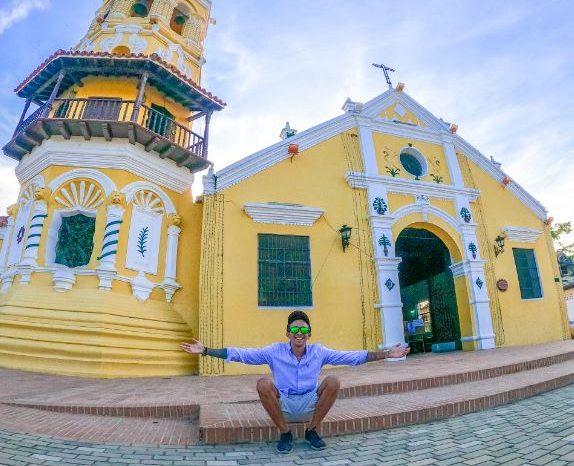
(97, 155)
(78, 197)
(142, 287)
(17, 241)
(521, 234)
(3, 231)
(86, 45)
(271, 155)
(108, 44)
(7, 279)
(144, 240)
(283, 214)
(64, 279)
(170, 284)
(132, 191)
(412, 187)
(493, 170)
(104, 181)
(138, 44)
(458, 269)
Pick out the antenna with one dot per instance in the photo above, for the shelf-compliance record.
(385, 69)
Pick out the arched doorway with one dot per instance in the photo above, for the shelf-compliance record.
(427, 291)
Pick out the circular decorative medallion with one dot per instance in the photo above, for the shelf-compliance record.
(502, 284)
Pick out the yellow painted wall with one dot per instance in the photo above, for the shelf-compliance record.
(396, 201)
(526, 321)
(313, 178)
(388, 148)
(409, 117)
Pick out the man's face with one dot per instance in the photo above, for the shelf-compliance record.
(298, 340)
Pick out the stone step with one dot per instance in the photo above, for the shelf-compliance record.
(248, 422)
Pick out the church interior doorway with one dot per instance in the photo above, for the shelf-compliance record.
(430, 313)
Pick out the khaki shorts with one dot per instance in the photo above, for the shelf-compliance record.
(298, 408)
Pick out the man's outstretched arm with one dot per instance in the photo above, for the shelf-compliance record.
(197, 347)
(396, 351)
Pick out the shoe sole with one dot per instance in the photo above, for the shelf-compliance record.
(284, 452)
(316, 448)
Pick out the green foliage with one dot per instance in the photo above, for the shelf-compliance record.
(75, 240)
(557, 232)
(142, 241)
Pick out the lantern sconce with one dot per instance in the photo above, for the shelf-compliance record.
(345, 236)
(499, 245)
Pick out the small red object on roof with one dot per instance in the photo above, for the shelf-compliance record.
(293, 149)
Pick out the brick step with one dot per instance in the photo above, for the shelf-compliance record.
(247, 422)
(129, 406)
(117, 430)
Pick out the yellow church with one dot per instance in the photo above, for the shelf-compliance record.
(382, 223)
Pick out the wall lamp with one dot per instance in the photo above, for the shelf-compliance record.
(345, 236)
(499, 245)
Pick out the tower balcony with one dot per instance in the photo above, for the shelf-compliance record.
(113, 118)
(110, 119)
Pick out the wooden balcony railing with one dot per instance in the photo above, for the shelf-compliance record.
(118, 110)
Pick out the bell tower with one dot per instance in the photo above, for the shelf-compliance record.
(110, 137)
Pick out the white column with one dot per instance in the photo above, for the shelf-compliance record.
(7, 237)
(29, 261)
(479, 301)
(6, 275)
(452, 161)
(368, 149)
(391, 306)
(107, 268)
(170, 284)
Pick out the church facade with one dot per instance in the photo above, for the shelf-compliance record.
(383, 223)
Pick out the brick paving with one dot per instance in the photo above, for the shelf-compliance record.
(187, 410)
(536, 431)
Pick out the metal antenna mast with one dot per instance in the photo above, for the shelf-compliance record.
(386, 70)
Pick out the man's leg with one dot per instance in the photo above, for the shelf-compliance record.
(328, 392)
(269, 396)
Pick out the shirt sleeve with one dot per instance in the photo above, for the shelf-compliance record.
(344, 358)
(254, 356)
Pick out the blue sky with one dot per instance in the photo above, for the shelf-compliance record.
(503, 71)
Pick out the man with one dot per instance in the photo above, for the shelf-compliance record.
(294, 394)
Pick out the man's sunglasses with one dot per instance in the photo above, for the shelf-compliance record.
(304, 330)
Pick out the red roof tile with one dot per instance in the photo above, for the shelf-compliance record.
(153, 57)
(3, 221)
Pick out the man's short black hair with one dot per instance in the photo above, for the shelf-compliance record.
(297, 315)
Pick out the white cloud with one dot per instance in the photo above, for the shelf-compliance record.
(18, 11)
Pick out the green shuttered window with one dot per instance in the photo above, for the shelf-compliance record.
(75, 241)
(528, 277)
(284, 272)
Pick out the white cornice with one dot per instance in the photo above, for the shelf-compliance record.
(413, 187)
(284, 214)
(521, 234)
(483, 162)
(114, 155)
(403, 130)
(271, 155)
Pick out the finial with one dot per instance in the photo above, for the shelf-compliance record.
(287, 132)
(385, 69)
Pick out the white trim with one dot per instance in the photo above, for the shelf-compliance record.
(521, 234)
(271, 155)
(425, 209)
(3, 231)
(113, 155)
(417, 154)
(132, 189)
(486, 164)
(412, 187)
(283, 214)
(105, 182)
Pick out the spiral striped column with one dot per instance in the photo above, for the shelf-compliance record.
(29, 261)
(107, 268)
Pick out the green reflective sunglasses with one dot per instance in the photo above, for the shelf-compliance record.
(304, 330)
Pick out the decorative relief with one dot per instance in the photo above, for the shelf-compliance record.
(465, 215)
(84, 195)
(385, 243)
(138, 44)
(149, 202)
(380, 206)
(479, 283)
(473, 249)
(390, 284)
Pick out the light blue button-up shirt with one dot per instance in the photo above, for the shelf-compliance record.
(293, 377)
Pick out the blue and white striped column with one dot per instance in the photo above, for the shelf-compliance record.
(107, 268)
(29, 261)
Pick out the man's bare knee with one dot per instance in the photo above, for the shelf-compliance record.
(332, 383)
(265, 385)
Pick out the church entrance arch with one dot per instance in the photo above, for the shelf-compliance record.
(430, 312)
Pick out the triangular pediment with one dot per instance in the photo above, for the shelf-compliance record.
(399, 107)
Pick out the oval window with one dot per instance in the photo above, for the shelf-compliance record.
(412, 164)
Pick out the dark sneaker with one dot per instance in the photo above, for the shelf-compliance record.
(285, 443)
(314, 440)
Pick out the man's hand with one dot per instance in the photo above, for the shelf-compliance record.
(398, 351)
(196, 347)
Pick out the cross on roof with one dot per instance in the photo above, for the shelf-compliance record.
(385, 69)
